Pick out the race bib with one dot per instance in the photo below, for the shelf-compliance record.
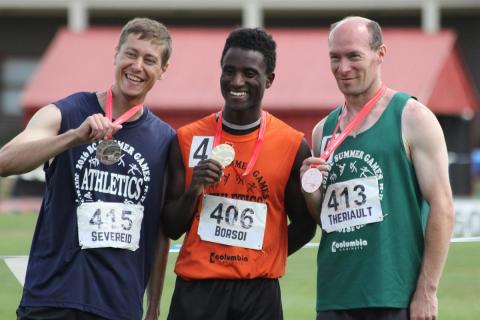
(233, 222)
(109, 224)
(200, 149)
(351, 203)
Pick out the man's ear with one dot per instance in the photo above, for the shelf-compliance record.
(270, 78)
(115, 56)
(164, 68)
(382, 51)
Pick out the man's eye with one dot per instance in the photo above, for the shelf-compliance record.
(150, 61)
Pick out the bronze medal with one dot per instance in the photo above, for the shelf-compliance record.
(108, 152)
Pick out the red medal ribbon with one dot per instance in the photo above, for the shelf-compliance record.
(335, 142)
(258, 145)
(125, 116)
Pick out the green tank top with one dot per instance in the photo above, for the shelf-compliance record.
(375, 264)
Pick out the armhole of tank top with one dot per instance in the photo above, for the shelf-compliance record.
(400, 103)
(330, 123)
(296, 138)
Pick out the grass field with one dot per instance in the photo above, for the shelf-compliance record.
(459, 294)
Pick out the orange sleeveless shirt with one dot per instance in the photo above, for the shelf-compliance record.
(199, 259)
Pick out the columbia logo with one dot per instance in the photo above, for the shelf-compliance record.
(357, 244)
(226, 258)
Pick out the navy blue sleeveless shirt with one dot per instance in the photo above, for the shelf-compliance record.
(109, 282)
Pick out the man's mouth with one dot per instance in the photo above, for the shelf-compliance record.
(133, 78)
(237, 93)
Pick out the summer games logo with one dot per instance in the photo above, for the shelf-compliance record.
(93, 179)
(353, 245)
(225, 258)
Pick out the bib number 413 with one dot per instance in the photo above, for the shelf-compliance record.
(358, 192)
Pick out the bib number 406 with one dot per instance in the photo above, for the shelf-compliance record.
(231, 215)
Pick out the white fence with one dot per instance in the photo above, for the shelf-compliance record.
(467, 220)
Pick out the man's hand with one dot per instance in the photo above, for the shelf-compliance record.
(96, 127)
(424, 304)
(152, 314)
(318, 163)
(314, 199)
(205, 173)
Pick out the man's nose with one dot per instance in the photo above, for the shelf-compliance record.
(238, 79)
(344, 66)
(138, 63)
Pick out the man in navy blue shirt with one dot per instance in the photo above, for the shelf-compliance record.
(98, 233)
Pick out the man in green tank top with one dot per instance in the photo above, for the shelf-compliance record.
(385, 203)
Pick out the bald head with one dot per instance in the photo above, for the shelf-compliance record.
(356, 56)
(359, 27)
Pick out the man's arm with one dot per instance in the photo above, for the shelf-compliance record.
(36, 144)
(180, 204)
(425, 143)
(40, 140)
(302, 227)
(157, 276)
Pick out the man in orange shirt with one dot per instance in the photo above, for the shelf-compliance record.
(235, 201)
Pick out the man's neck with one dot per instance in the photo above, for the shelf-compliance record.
(356, 102)
(121, 104)
(233, 126)
(243, 117)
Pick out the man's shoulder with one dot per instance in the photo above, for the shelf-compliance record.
(415, 113)
(75, 98)
(282, 134)
(402, 98)
(77, 103)
(159, 122)
(199, 125)
(280, 125)
(409, 104)
(331, 116)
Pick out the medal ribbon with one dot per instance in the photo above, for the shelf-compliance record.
(335, 142)
(125, 116)
(258, 145)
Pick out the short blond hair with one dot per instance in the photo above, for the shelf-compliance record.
(148, 29)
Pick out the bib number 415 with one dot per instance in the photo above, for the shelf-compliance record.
(111, 218)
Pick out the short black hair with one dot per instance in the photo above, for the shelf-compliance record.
(253, 39)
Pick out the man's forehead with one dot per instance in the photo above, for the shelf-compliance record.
(353, 22)
(133, 40)
(349, 35)
(249, 56)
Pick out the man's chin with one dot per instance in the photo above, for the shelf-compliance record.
(236, 106)
(348, 90)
